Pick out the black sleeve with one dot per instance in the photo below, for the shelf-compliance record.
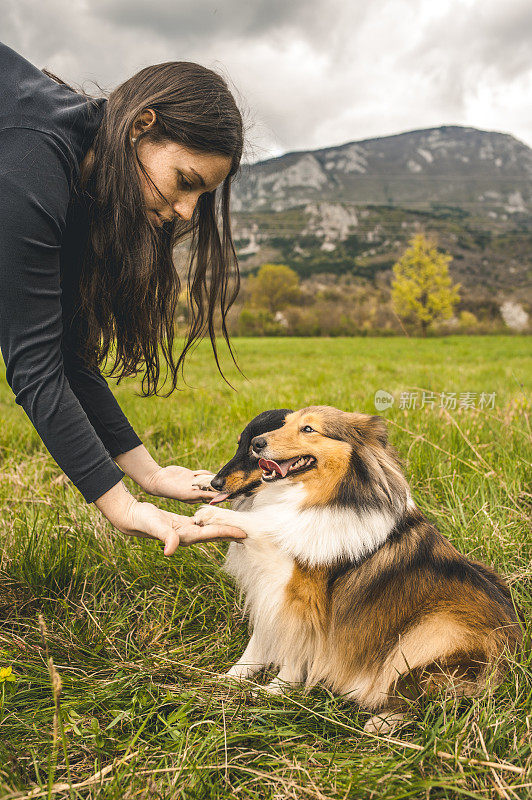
(100, 406)
(34, 195)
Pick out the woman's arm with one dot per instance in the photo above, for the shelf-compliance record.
(97, 399)
(146, 520)
(173, 481)
(34, 196)
(121, 441)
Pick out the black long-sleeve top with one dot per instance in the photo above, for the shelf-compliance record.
(46, 130)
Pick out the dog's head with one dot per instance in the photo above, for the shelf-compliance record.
(242, 474)
(340, 458)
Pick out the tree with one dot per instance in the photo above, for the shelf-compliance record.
(274, 287)
(423, 289)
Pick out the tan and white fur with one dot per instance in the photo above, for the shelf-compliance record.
(345, 581)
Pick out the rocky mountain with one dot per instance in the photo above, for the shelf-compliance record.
(447, 165)
(353, 207)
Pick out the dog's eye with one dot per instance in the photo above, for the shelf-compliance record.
(307, 429)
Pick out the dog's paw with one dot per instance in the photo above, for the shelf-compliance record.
(234, 677)
(203, 482)
(274, 687)
(209, 515)
(385, 723)
(238, 672)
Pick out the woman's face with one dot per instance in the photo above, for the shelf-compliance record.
(180, 174)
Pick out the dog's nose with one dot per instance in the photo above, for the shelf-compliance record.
(258, 443)
(217, 483)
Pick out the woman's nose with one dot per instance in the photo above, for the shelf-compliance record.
(184, 209)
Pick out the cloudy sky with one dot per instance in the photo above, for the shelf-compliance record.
(306, 73)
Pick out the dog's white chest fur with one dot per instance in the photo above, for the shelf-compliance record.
(279, 532)
(262, 571)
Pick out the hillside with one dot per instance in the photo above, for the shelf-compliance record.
(352, 208)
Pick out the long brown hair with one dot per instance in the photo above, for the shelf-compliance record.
(130, 286)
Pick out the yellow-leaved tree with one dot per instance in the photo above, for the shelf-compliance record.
(274, 287)
(422, 289)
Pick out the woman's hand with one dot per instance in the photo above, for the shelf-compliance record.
(148, 521)
(176, 483)
(172, 482)
(173, 529)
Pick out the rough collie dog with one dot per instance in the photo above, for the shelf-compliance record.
(346, 582)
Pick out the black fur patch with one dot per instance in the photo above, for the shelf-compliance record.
(416, 546)
(355, 490)
(243, 461)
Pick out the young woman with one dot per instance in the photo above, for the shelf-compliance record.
(94, 195)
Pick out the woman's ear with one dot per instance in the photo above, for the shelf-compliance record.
(143, 123)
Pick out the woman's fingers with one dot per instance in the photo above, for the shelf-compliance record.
(180, 483)
(158, 524)
(202, 494)
(191, 534)
(172, 540)
(176, 530)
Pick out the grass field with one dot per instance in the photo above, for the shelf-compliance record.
(139, 640)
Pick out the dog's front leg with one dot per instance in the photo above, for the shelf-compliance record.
(212, 515)
(250, 662)
(287, 678)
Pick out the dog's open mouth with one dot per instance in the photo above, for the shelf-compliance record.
(275, 470)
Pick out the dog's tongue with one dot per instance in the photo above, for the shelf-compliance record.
(281, 467)
(218, 498)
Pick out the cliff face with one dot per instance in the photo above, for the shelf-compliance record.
(480, 170)
(352, 209)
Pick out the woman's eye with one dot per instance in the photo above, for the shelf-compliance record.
(308, 429)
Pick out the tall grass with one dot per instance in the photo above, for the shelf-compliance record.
(139, 641)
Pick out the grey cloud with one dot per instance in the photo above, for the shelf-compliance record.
(323, 23)
(311, 73)
(201, 20)
(503, 37)
(489, 36)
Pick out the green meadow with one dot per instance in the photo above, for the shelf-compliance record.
(139, 640)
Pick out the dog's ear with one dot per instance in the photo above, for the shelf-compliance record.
(379, 429)
(368, 426)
